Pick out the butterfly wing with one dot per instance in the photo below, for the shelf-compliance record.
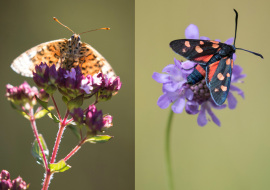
(48, 52)
(200, 51)
(92, 62)
(218, 79)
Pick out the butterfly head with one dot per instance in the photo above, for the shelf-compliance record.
(75, 39)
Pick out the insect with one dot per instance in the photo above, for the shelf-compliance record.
(66, 53)
(215, 63)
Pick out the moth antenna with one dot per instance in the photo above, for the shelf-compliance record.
(63, 25)
(95, 30)
(236, 20)
(251, 52)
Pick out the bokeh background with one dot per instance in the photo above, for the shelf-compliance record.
(234, 156)
(25, 24)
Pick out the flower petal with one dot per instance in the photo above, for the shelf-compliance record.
(192, 107)
(218, 40)
(202, 120)
(238, 90)
(192, 32)
(189, 94)
(204, 38)
(229, 41)
(168, 68)
(232, 102)
(161, 78)
(163, 101)
(213, 117)
(218, 107)
(177, 63)
(178, 105)
(171, 86)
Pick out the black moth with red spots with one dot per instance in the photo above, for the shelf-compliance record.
(215, 63)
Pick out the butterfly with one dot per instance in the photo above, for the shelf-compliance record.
(66, 53)
(215, 63)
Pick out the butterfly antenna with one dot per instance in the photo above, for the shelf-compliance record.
(251, 52)
(63, 25)
(236, 20)
(95, 30)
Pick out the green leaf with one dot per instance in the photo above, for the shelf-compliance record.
(75, 103)
(75, 131)
(42, 103)
(45, 106)
(20, 111)
(36, 152)
(53, 117)
(43, 112)
(60, 166)
(99, 139)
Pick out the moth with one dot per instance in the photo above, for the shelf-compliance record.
(215, 63)
(66, 53)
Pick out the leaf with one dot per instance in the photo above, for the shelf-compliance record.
(60, 166)
(42, 103)
(20, 111)
(75, 103)
(43, 112)
(53, 117)
(99, 139)
(36, 152)
(75, 131)
(45, 106)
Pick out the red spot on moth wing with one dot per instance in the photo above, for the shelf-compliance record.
(200, 69)
(223, 88)
(232, 63)
(198, 49)
(201, 42)
(187, 43)
(204, 59)
(228, 61)
(214, 42)
(220, 76)
(215, 46)
(212, 69)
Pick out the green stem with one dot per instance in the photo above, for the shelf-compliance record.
(167, 150)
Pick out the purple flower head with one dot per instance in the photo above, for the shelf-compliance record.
(45, 77)
(107, 121)
(22, 95)
(6, 184)
(18, 184)
(94, 119)
(106, 87)
(196, 99)
(78, 116)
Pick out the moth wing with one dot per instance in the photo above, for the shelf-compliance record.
(200, 51)
(48, 52)
(218, 79)
(92, 62)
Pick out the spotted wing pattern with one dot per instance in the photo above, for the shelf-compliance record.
(92, 62)
(218, 79)
(200, 51)
(63, 53)
(48, 52)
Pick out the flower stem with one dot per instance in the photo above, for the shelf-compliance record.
(62, 126)
(34, 127)
(75, 149)
(168, 152)
(47, 180)
(55, 105)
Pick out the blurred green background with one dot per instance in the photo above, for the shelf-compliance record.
(234, 156)
(25, 24)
